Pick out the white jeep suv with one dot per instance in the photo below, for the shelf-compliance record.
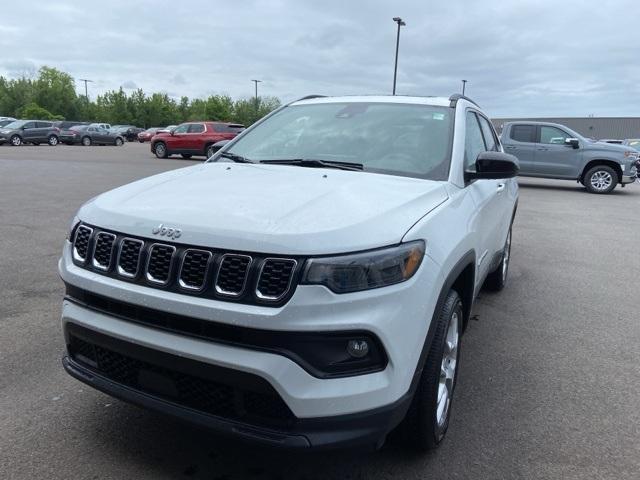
(308, 285)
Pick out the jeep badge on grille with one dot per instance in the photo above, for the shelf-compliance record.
(169, 232)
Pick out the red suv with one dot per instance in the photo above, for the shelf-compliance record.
(193, 138)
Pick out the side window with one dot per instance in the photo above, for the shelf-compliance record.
(196, 128)
(219, 128)
(182, 129)
(91, 129)
(552, 135)
(489, 136)
(473, 142)
(523, 133)
(30, 125)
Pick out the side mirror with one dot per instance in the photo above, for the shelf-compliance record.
(494, 166)
(171, 132)
(574, 142)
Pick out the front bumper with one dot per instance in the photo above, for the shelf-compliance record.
(363, 429)
(628, 179)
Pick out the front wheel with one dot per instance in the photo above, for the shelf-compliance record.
(52, 140)
(600, 179)
(86, 141)
(428, 417)
(497, 279)
(160, 150)
(16, 140)
(118, 142)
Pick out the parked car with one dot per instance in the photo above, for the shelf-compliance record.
(91, 135)
(6, 121)
(147, 134)
(308, 286)
(131, 133)
(167, 129)
(550, 150)
(67, 124)
(635, 144)
(193, 138)
(104, 126)
(29, 131)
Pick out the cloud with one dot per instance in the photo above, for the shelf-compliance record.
(523, 57)
(129, 85)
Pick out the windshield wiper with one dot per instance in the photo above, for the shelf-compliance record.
(236, 158)
(313, 163)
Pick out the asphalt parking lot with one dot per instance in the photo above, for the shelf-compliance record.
(549, 382)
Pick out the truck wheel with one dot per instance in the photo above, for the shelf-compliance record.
(497, 279)
(600, 179)
(161, 150)
(53, 140)
(428, 417)
(15, 140)
(86, 141)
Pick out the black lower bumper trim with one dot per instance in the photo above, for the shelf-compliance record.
(359, 429)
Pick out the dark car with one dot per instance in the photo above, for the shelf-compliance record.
(193, 138)
(67, 124)
(130, 132)
(29, 131)
(146, 135)
(91, 135)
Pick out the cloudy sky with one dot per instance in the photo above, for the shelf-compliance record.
(520, 57)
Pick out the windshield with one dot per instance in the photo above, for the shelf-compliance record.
(398, 139)
(14, 125)
(634, 143)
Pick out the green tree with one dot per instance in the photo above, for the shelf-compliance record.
(55, 91)
(35, 111)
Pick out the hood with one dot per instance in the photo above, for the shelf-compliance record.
(613, 148)
(273, 209)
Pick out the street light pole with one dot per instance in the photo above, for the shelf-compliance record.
(400, 23)
(464, 84)
(86, 92)
(256, 83)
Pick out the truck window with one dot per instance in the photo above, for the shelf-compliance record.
(552, 135)
(523, 133)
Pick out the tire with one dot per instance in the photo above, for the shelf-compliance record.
(186, 155)
(118, 142)
(600, 179)
(426, 424)
(15, 140)
(141, 141)
(53, 140)
(497, 279)
(160, 150)
(210, 150)
(86, 141)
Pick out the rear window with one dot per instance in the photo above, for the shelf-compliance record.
(523, 133)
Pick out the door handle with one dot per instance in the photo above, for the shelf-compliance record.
(542, 149)
(509, 147)
(500, 187)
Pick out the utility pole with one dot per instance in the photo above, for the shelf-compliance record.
(86, 92)
(464, 84)
(400, 23)
(256, 82)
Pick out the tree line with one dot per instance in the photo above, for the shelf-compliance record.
(51, 95)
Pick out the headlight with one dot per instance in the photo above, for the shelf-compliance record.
(363, 271)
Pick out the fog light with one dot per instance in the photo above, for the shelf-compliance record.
(358, 348)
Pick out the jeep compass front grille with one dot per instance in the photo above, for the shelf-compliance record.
(194, 270)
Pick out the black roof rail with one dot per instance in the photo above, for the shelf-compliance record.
(458, 96)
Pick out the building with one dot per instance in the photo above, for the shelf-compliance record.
(590, 127)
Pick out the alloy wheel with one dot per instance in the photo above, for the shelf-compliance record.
(601, 180)
(448, 370)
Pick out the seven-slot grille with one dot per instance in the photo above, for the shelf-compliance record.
(103, 250)
(193, 272)
(274, 278)
(232, 274)
(81, 242)
(129, 257)
(159, 263)
(245, 278)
